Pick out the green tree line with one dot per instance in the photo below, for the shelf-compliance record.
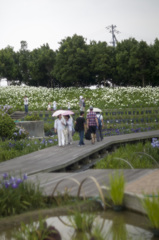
(76, 63)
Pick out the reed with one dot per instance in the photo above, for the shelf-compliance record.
(117, 185)
(151, 206)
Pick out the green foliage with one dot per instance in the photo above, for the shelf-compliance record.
(33, 117)
(77, 63)
(71, 68)
(18, 196)
(81, 222)
(117, 185)
(15, 148)
(19, 133)
(7, 125)
(37, 231)
(139, 155)
(48, 126)
(151, 206)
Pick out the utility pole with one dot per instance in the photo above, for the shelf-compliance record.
(112, 30)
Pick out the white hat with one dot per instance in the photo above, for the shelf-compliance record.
(81, 97)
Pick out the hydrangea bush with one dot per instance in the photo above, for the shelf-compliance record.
(105, 98)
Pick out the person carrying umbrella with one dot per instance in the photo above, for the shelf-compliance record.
(59, 129)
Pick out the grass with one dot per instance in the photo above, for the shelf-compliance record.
(81, 222)
(117, 185)
(151, 206)
(138, 155)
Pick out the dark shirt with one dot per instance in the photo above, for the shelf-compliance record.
(80, 121)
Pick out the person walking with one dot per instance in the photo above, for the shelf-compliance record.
(54, 105)
(69, 106)
(68, 123)
(80, 127)
(92, 123)
(99, 134)
(26, 102)
(81, 103)
(59, 129)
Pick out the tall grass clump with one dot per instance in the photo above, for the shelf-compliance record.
(117, 185)
(18, 195)
(151, 206)
(81, 222)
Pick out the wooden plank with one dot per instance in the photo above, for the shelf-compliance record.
(48, 181)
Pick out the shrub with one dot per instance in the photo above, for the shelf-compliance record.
(48, 126)
(33, 117)
(7, 125)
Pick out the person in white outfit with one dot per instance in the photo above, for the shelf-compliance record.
(54, 105)
(59, 129)
(69, 123)
(26, 102)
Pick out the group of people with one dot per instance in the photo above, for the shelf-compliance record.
(53, 106)
(64, 127)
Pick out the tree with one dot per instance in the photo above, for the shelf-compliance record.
(99, 65)
(140, 61)
(41, 64)
(125, 66)
(8, 64)
(154, 76)
(24, 56)
(71, 68)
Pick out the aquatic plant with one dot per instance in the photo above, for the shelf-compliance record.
(37, 231)
(151, 205)
(117, 185)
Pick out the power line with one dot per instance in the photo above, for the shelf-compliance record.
(112, 30)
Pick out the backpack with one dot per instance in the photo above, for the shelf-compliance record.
(99, 120)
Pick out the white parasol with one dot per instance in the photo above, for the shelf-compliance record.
(95, 110)
(62, 112)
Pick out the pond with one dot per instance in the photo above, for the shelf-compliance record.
(113, 226)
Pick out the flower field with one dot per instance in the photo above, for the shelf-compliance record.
(104, 98)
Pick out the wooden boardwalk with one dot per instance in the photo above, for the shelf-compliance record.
(65, 182)
(41, 166)
(56, 158)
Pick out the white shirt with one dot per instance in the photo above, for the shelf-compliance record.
(26, 101)
(58, 125)
(70, 124)
(100, 117)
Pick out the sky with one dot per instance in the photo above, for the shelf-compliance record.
(49, 21)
